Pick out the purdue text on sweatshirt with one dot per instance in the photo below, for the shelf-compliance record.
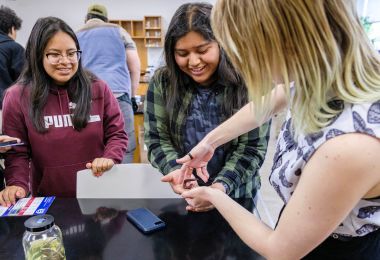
(49, 161)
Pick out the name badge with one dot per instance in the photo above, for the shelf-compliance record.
(95, 118)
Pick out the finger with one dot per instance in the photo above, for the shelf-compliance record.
(203, 174)
(94, 166)
(187, 174)
(167, 178)
(89, 165)
(182, 173)
(190, 208)
(6, 197)
(190, 201)
(2, 201)
(4, 149)
(109, 164)
(203, 209)
(12, 195)
(178, 189)
(6, 138)
(20, 193)
(188, 194)
(100, 165)
(184, 159)
(106, 164)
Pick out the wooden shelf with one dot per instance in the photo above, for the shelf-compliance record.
(135, 28)
(145, 33)
(153, 31)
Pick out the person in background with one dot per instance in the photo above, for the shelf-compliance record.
(12, 55)
(67, 118)
(110, 53)
(196, 91)
(326, 168)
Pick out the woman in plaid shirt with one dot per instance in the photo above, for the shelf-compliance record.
(196, 91)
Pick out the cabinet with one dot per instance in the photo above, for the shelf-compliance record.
(153, 31)
(135, 28)
(145, 33)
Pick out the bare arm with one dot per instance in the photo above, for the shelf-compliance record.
(328, 189)
(133, 62)
(245, 120)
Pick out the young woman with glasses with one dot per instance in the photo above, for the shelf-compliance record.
(67, 118)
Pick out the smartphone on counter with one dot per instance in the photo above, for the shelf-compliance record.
(10, 143)
(145, 220)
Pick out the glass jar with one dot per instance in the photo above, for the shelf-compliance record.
(42, 239)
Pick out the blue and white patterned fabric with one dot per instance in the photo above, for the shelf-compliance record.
(292, 155)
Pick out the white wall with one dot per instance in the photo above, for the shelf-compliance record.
(370, 8)
(74, 12)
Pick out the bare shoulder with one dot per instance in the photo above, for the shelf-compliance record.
(355, 154)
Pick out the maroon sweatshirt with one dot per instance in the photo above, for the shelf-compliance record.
(56, 156)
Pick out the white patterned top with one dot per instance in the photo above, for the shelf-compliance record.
(292, 155)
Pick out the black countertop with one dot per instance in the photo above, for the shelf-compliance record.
(93, 229)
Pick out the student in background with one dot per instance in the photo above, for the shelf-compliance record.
(110, 53)
(68, 119)
(326, 167)
(12, 55)
(196, 91)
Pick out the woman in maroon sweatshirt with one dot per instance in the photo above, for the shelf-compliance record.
(68, 119)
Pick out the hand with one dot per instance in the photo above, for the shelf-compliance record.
(200, 155)
(199, 199)
(100, 165)
(176, 178)
(135, 107)
(5, 138)
(9, 195)
(201, 205)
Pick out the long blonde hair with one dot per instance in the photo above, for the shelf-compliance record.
(318, 44)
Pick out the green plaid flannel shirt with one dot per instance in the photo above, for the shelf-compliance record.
(164, 139)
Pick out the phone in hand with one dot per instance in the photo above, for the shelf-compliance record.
(10, 143)
(145, 220)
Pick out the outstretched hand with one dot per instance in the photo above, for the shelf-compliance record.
(176, 179)
(198, 159)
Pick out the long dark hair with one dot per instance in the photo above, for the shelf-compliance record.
(35, 77)
(196, 17)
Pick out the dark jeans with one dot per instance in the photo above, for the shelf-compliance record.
(129, 126)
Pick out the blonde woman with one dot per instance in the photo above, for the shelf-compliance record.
(326, 168)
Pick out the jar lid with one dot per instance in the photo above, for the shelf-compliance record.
(39, 223)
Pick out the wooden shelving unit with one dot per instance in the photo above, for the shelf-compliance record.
(153, 31)
(135, 28)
